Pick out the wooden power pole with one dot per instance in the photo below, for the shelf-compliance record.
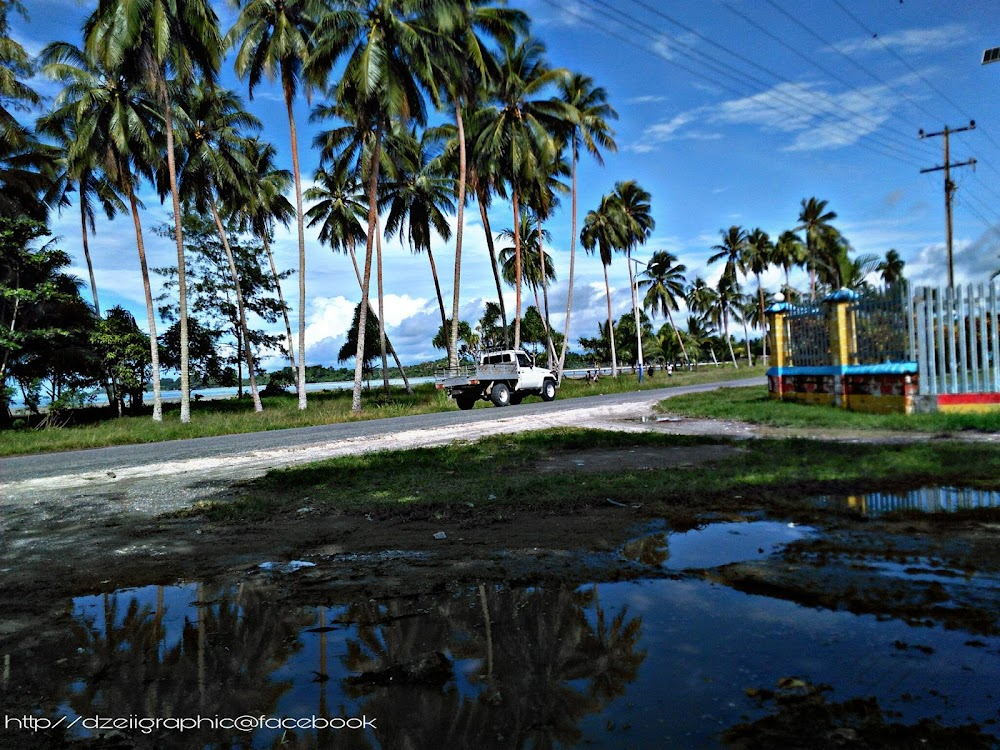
(949, 186)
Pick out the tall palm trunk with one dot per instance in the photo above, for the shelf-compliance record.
(729, 341)
(281, 298)
(179, 239)
(763, 318)
(395, 357)
(572, 268)
(437, 289)
(635, 310)
(110, 386)
(611, 326)
(366, 280)
(746, 340)
(154, 351)
(496, 266)
(453, 338)
(677, 333)
(551, 347)
(381, 306)
(288, 86)
(517, 270)
(240, 308)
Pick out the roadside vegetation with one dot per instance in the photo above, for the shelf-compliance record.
(754, 405)
(538, 471)
(237, 416)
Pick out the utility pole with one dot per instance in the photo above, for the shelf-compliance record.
(949, 186)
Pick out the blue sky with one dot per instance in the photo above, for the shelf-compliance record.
(731, 112)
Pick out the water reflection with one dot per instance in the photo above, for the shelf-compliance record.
(484, 666)
(925, 499)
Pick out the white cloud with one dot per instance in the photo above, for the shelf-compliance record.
(646, 99)
(910, 40)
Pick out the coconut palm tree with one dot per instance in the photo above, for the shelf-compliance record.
(757, 256)
(727, 302)
(789, 251)
(387, 74)
(632, 203)
(154, 38)
(664, 283)
(219, 163)
(465, 62)
(515, 132)
(815, 220)
(537, 268)
(590, 112)
(892, 268)
(273, 40)
(15, 67)
(602, 231)
(117, 125)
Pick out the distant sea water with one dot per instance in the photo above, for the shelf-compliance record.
(101, 398)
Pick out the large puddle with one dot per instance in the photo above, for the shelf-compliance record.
(661, 662)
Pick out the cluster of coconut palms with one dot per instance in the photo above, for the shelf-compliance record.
(141, 104)
(822, 251)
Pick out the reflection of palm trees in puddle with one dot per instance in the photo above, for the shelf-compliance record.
(490, 665)
(649, 550)
(530, 651)
(140, 663)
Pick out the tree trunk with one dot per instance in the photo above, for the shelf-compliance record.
(551, 348)
(635, 310)
(381, 306)
(362, 310)
(517, 270)
(763, 317)
(677, 333)
(572, 268)
(109, 385)
(453, 347)
(154, 352)
(729, 341)
(611, 326)
(437, 289)
(240, 308)
(281, 299)
(179, 239)
(746, 339)
(496, 267)
(299, 218)
(395, 357)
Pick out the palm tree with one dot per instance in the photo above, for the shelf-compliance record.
(788, 252)
(386, 76)
(602, 230)
(465, 62)
(702, 301)
(590, 112)
(15, 66)
(152, 36)
(117, 125)
(757, 256)
(892, 268)
(727, 301)
(632, 203)
(515, 132)
(664, 283)
(815, 220)
(220, 163)
(274, 41)
(339, 208)
(537, 268)
(418, 198)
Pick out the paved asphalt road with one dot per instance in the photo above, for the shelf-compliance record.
(99, 459)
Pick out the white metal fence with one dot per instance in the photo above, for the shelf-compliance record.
(955, 337)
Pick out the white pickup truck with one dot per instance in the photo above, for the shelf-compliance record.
(504, 377)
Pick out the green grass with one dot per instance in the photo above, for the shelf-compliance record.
(231, 416)
(754, 405)
(501, 473)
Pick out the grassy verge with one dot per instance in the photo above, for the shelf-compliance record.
(230, 416)
(502, 472)
(753, 405)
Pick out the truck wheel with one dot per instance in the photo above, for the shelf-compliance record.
(466, 402)
(500, 395)
(548, 391)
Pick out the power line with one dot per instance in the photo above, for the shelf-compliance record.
(811, 60)
(884, 149)
(905, 140)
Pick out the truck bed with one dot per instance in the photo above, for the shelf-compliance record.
(463, 375)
